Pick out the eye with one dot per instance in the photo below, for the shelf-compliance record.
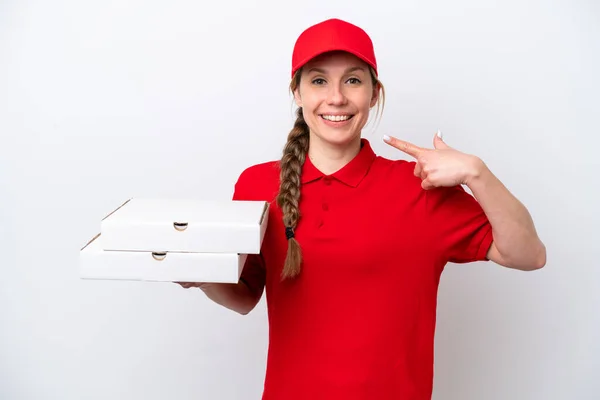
(354, 81)
(318, 81)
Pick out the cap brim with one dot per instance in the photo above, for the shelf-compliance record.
(329, 50)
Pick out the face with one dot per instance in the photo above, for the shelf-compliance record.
(336, 94)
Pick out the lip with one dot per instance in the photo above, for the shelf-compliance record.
(336, 124)
(335, 113)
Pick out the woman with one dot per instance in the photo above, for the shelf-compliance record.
(353, 254)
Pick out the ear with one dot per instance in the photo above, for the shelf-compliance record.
(297, 97)
(375, 95)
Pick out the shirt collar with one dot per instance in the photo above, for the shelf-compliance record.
(351, 174)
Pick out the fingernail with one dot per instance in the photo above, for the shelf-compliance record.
(439, 134)
(386, 138)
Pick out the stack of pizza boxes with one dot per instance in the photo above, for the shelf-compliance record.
(176, 240)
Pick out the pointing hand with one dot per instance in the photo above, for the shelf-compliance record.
(441, 166)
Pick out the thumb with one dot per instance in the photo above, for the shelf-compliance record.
(438, 142)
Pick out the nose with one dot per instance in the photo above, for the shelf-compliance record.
(336, 96)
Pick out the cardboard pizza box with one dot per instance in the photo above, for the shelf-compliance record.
(186, 225)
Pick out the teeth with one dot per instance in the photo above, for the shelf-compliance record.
(336, 118)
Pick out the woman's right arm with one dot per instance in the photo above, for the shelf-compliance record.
(240, 297)
(243, 296)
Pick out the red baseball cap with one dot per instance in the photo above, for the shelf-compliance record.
(331, 35)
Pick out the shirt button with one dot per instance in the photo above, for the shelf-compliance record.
(327, 181)
(325, 207)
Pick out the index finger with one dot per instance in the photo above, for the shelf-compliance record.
(406, 147)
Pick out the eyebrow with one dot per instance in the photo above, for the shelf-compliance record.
(322, 71)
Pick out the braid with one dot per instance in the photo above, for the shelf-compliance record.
(288, 198)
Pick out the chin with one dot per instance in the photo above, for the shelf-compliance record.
(338, 135)
(338, 138)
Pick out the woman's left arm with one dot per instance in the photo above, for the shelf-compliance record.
(516, 243)
(515, 240)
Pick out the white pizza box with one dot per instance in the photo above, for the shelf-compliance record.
(186, 225)
(97, 263)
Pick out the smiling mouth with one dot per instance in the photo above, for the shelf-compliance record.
(336, 118)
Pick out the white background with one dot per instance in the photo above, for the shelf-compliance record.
(104, 100)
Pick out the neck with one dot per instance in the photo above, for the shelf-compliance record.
(329, 158)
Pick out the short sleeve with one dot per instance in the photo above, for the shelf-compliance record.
(461, 230)
(253, 273)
